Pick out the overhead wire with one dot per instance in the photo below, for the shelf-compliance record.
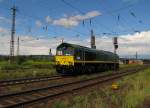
(83, 13)
(36, 18)
(90, 20)
(78, 10)
(73, 8)
(119, 17)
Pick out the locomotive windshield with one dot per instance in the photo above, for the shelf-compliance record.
(65, 51)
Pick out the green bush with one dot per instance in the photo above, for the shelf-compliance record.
(20, 60)
(38, 64)
(60, 104)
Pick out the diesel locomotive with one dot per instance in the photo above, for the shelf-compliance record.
(75, 59)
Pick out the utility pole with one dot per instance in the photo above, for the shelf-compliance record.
(12, 34)
(50, 52)
(62, 40)
(18, 46)
(115, 42)
(136, 56)
(93, 40)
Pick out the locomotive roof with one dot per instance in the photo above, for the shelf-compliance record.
(83, 47)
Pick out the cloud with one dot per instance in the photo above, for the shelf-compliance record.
(4, 41)
(72, 21)
(138, 42)
(38, 23)
(4, 20)
(88, 15)
(4, 31)
(66, 22)
(128, 44)
(48, 19)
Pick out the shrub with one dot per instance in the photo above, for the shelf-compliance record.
(20, 60)
(60, 104)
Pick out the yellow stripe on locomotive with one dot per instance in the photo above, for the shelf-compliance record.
(64, 60)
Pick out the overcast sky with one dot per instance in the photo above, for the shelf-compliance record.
(41, 24)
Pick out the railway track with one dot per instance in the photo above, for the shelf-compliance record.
(24, 98)
(27, 80)
(4, 83)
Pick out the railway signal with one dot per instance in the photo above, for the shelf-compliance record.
(18, 46)
(115, 42)
(93, 40)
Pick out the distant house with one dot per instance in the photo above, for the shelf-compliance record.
(130, 61)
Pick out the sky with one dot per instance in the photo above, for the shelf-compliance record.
(42, 24)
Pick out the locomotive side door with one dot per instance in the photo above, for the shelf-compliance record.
(80, 56)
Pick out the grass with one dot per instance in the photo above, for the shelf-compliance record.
(26, 69)
(131, 93)
(38, 64)
(29, 64)
(27, 73)
(88, 76)
(129, 65)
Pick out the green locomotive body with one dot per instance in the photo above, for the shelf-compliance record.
(76, 59)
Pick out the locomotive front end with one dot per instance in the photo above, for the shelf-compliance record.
(64, 59)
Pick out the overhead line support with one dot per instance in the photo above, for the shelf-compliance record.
(12, 34)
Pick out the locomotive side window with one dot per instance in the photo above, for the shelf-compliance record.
(68, 51)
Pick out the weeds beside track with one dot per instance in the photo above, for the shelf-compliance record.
(37, 95)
